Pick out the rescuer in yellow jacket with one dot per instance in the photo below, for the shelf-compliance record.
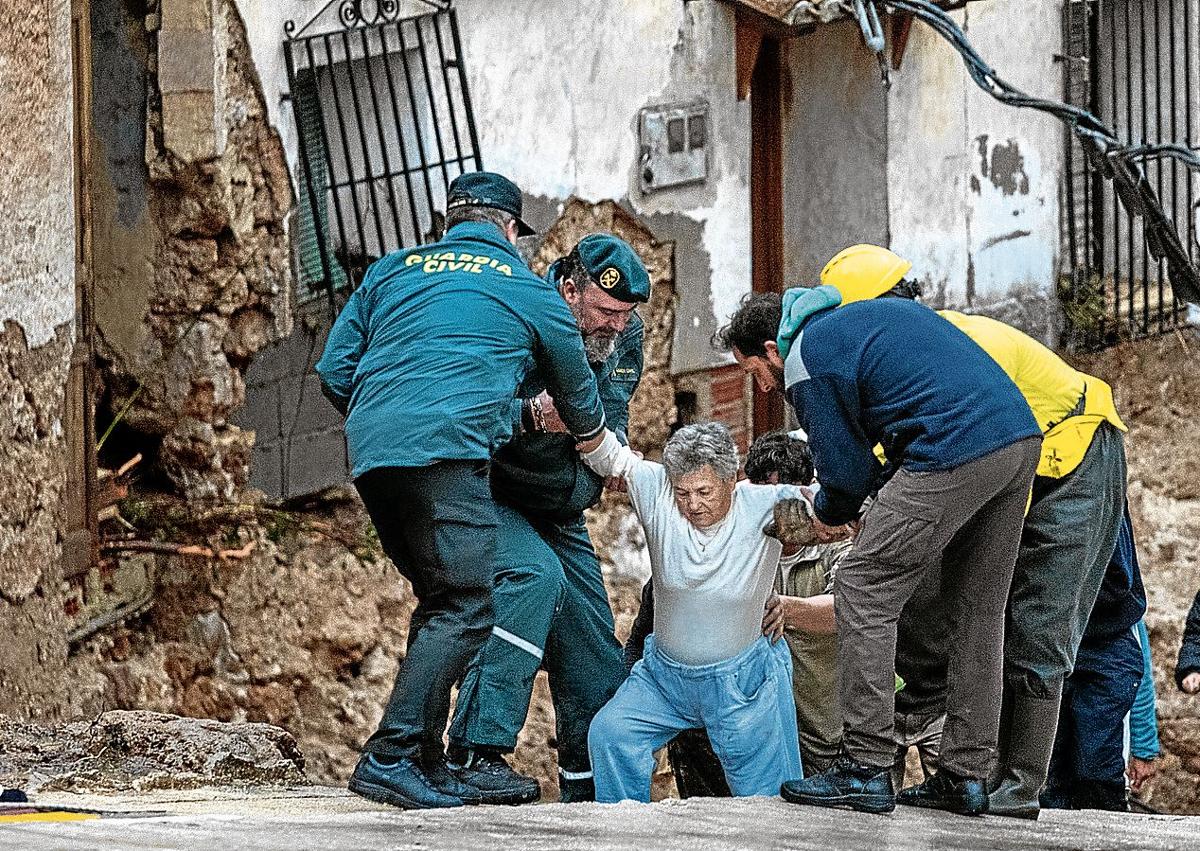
(1070, 532)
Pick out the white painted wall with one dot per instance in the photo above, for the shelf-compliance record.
(973, 184)
(37, 229)
(556, 91)
(558, 107)
(264, 21)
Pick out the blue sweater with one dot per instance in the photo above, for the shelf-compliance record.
(1143, 718)
(427, 354)
(893, 372)
(1121, 602)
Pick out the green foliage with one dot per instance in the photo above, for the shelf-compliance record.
(1084, 307)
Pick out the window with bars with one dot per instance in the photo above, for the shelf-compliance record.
(1136, 65)
(385, 123)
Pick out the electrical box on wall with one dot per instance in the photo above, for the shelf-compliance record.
(674, 142)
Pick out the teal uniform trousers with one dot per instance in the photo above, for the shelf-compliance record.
(551, 607)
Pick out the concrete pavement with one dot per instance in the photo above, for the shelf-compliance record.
(326, 818)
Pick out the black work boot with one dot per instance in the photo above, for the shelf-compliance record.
(846, 783)
(399, 781)
(440, 778)
(576, 791)
(487, 771)
(943, 791)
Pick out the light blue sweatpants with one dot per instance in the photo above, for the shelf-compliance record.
(744, 703)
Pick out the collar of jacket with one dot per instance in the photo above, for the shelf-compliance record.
(485, 233)
(801, 304)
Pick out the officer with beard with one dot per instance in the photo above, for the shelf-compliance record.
(551, 609)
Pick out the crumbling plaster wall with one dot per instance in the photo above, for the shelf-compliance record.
(556, 90)
(973, 184)
(37, 309)
(177, 338)
(960, 184)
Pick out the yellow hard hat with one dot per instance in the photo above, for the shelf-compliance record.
(863, 272)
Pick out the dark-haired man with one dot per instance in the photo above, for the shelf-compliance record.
(551, 606)
(1071, 527)
(963, 448)
(424, 360)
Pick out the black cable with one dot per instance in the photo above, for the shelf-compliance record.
(1115, 161)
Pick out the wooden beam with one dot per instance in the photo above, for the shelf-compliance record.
(901, 26)
(766, 200)
(748, 42)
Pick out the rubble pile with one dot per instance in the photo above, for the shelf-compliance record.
(140, 751)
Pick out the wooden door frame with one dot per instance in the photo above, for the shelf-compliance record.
(766, 198)
(80, 535)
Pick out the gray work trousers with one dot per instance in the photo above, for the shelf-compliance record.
(972, 516)
(923, 732)
(1066, 546)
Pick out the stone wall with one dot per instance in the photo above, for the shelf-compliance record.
(37, 308)
(218, 192)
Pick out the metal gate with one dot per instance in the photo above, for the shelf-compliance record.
(384, 123)
(1136, 65)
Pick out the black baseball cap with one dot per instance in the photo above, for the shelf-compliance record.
(488, 189)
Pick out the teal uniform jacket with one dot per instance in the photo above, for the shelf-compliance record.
(428, 353)
(542, 475)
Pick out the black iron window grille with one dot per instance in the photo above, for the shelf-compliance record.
(1136, 65)
(384, 122)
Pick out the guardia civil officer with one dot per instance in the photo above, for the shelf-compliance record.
(425, 360)
(551, 609)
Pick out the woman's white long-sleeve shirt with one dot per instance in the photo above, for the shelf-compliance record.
(710, 585)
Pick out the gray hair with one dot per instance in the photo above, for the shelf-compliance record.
(490, 215)
(700, 444)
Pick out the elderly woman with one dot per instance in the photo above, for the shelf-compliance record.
(707, 663)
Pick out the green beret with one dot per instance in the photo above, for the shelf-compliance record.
(615, 267)
(487, 189)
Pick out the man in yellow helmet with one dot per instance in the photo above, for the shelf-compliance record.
(1069, 536)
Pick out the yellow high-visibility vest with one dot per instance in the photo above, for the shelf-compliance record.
(1051, 387)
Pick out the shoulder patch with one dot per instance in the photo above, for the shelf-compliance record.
(794, 368)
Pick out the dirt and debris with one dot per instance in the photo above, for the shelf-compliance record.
(1157, 388)
(142, 751)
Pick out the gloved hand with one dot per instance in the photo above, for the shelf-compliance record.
(793, 523)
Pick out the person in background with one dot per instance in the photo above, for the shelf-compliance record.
(1087, 769)
(1144, 749)
(1070, 529)
(1187, 668)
